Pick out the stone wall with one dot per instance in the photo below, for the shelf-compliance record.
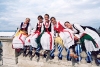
(10, 59)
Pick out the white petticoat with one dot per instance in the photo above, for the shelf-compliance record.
(33, 40)
(45, 41)
(27, 41)
(88, 44)
(18, 41)
(67, 37)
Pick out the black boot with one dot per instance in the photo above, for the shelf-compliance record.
(44, 55)
(24, 52)
(38, 54)
(30, 53)
(60, 58)
(52, 57)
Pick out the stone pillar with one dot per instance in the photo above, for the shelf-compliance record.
(8, 53)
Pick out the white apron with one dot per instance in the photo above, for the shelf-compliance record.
(31, 40)
(47, 40)
(67, 37)
(20, 37)
(27, 41)
(96, 38)
(19, 40)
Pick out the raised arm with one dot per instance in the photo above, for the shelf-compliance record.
(80, 29)
(29, 29)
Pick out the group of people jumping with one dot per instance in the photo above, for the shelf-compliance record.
(50, 34)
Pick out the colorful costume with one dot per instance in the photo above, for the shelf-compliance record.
(47, 41)
(64, 37)
(20, 36)
(31, 40)
(65, 34)
(89, 38)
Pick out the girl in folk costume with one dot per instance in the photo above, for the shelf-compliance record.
(75, 49)
(31, 40)
(46, 39)
(39, 29)
(21, 34)
(64, 38)
(89, 41)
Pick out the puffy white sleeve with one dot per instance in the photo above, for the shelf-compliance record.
(77, 35)
(52, 30)
(29, 29)
(42, 28)
(81, 30)
(35, 27)
(62, 24)
(18, 29)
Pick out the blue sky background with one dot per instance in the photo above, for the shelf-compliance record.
(84, 12)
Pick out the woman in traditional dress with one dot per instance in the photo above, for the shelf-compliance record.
(64, 38)
(46, 37)
(89, 38)
(31, 40)
(22, 33)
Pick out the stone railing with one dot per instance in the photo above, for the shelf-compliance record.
(8, 52)
(10, 59)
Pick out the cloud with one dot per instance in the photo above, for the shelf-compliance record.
(13, 12)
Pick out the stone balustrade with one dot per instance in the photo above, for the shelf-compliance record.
(11, 60)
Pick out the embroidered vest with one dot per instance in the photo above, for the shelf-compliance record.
(24, 29)
(76, 29)
(47, 29)
(38, 27)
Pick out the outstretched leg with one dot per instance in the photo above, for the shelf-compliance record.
(52, 52)
(38, 50)
(24, 50)
(78, 51)
(60, 49)
(89, 57)
(68, 54)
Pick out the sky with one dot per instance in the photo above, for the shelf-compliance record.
(84, 12)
